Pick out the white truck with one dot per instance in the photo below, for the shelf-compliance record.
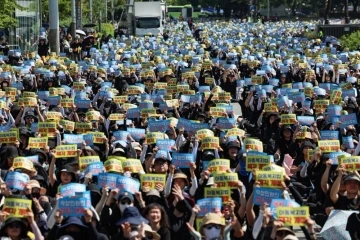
(148, 18)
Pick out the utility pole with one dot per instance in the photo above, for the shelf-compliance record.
(106, 11)
(54, 26)
(112, 11)
(73, 19)
(91, 11)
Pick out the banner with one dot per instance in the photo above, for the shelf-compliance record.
(73, 207)
(165, 144)
(8, 137)
(227, 180)
(69, 190)
(293, 216)
(329, 135)
(98, 137)
(74, 139)
(265, 195)
(158, 126)
(182, 160)
(16, 180)
(224, 193)
(305, 120)
(126, 184)
(85, 161)
(209, 205)
(121, 135)
(28, 101)
(82, 103)
(149, 181)
(210, 143)
(347, 120)
(132, 165)
(41, 142)
(256, 162)
(329, 145)
(218, 165)
(226, 123)
(66, 151)
(137, 133)
(94, 168)
(33, 159)
(270, 179)
(348, 141)
(107, 180)
(253, 144)
(17, 207)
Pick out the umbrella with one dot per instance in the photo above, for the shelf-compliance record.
(89, 25)
(81, 32)
(335, 226)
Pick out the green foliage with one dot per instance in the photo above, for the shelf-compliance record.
(107, 28)
(7, 12)
(351, 41)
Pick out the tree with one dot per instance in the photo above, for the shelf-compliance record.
(347, 19)
(327, 11)
(7, 18)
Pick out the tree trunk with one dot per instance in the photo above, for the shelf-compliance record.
(327, 11)
(293, 6)
(347, 20)
(355, 5)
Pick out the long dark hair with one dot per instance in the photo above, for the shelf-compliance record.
(164, 222)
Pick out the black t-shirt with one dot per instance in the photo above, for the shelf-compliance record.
(343, 203)
(352, 226)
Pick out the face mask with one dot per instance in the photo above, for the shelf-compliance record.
(211, 233)
(123, 206)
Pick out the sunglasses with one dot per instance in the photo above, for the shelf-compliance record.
(14, 225)
(210, 226)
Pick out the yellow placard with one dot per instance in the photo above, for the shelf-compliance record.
(218, 112)
(160, 85)
(288, 118)
(182, 87)
(153, 136)
(127, 106)
(134, 90)
(321, 104)
(224, 96)
(235, 132)
(172, 103)
(84, 161)
(199, 223)
(350, 163)
(256, 162)
(274, 168)
(98, 137)
(132, 165)
(29, 94)
(120, 99)
(256, 79)
(146, 112)
(11, 92)
(269, 107)
(218, 165)
(346, 86)
(22, 162)
(116, 116)
(253, 144)
(40, 142)
(16, 207)
(67, 125)
(209, 80)
(47, 129)
(224, 193)
(227, 180)
(54, 115)
(83, 127)
(67, 102)
(210, 143)
(329, 145)
(93, 115)
(113, 165)
(78, 86)
(149, 181)
(66, 151)
(3, 105)
(336, 96)
(270, 179)
(293, 216)
(61, 91)
(8, 137)
(204, 133)
(53, 91)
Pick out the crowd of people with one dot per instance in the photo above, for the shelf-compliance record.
(143, 139)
